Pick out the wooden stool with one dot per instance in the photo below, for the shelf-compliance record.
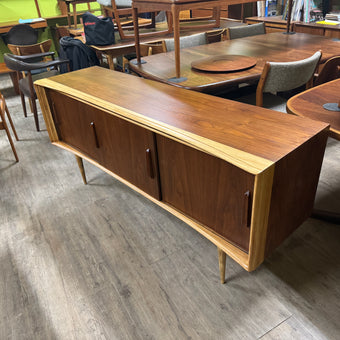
(175, 7)
(3, 125)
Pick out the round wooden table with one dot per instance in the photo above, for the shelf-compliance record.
(310, 104)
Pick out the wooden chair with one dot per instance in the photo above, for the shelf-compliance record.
(24, 66)
(329, 71)
(123, 8)
(4, 126)
(280, 77)
(146, 49)
(154, 47)
(187, 41)
(41, 47)
(246, 31)
(215, 35)
(25, 50)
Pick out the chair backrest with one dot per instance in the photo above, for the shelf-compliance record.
(246, 31)
(215, 35)
(150, 48)
(285, 76)
(187, 41)
(329, 71)
(44, 46)
(117, 3)
(22, 34)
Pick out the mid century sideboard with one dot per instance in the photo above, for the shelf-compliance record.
(243, 176)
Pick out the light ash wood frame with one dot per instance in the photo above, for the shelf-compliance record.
(261, 168)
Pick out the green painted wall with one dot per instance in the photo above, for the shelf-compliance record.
(13, 10)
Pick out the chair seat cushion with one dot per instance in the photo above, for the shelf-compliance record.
(270, 101)
(24, 82)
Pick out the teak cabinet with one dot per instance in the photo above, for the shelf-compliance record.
(243, 176)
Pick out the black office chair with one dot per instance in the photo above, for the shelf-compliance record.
(24, 65)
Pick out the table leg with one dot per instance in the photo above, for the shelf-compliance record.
(175, 18)
(81, 168)
(110, 61)
(74, 16)
(136, 31)
(222, 264)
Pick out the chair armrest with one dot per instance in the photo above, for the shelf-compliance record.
(52, 63)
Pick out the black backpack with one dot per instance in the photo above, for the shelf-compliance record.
(98, 31)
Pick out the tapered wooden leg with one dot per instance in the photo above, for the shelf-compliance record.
(35, 113)
(11, 122)
(3, 126)
(23, 104)
(222, 263)
(81, 168)
(175, 18)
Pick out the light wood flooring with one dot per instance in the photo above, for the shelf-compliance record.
(99, 261)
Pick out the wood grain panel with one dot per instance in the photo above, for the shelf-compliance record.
(294, 188)
(207, 189)
(116, 144)
(265, 47)
(309, 104)
(237, 132)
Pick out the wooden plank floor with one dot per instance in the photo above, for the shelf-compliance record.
(99, 261)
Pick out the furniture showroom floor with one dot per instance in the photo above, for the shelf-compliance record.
(100, 261)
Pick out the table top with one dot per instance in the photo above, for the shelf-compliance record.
(266, 47)
(314, 24)
(310, 104)
(247, 136)
(6, 26)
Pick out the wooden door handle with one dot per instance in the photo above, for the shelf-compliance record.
(247, 209)
(94, 134)
(149, 165)
(54, 114)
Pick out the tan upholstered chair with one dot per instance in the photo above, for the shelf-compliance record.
(281, 77)
(187, 41)
(246, 31)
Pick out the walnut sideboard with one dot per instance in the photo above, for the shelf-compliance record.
(243, 176)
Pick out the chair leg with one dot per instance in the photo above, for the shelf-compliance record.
(23, 103)
(11, 123)
(5, 127)
(222, 264)
(35, 113)
(81, 168)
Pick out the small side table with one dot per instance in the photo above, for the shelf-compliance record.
(174, 6)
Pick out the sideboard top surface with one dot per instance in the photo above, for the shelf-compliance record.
(227, 126)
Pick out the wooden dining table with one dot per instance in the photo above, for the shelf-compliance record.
(276, 47)
(320, 103)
